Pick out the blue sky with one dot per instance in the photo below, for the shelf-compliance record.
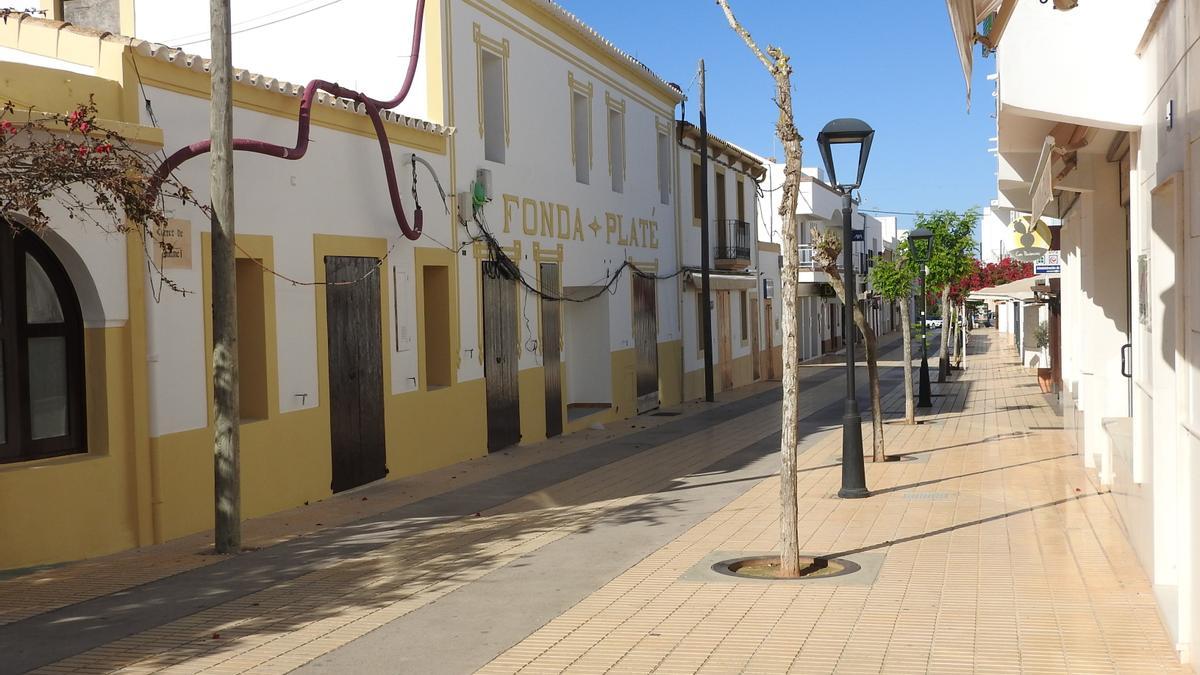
(891, 62)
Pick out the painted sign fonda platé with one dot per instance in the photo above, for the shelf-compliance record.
(537, 218)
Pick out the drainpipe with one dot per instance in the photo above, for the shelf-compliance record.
(679, 238)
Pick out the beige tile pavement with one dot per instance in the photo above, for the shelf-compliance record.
(1001, 556)
(289, 624)
(47, 589)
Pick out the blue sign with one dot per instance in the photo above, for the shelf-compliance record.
(1050, 263)
(858, 235)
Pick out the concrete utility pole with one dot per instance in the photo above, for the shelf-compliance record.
(705, 290)
(226, 413)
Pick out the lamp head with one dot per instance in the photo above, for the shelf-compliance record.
(920, 242)
(851, 132)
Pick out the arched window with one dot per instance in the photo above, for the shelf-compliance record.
(41, 351)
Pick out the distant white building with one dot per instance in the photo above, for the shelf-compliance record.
(995, 233)
(819, 209)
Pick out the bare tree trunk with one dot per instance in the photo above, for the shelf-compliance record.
(860, 320)
(943, 355)
(966, 328)
(226, 422)
(910, 415)
(952, 333)
(959, 327)
(776, 63)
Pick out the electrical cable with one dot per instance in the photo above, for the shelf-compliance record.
(372, 107)
(506, 267)
(911, 213)
(264, 25)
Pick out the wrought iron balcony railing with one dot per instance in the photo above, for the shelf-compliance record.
(733, 244)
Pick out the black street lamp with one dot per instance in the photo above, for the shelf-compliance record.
(920, 242)
(850, 132)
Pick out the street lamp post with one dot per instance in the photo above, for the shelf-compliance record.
(920, 242)
(849, 132)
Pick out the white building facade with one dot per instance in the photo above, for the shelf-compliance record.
(552, 287)
(1103, 99)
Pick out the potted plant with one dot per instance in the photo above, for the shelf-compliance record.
(1041, 339)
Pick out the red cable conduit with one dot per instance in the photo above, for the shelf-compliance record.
(372, 107)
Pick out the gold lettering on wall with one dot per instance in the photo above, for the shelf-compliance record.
(564, 221)
(552, 220)
(508, 200)
(529, 214)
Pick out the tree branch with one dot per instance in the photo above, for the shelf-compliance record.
(737, 28)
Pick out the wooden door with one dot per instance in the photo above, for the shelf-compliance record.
(835, 335)
(356, 422)
(756, 356)
(552, 349)
(770, 323)
(645, 342)
(724, 340)
(500, 357)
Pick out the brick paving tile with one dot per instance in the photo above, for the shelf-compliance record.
(286, 625)
(44, 590)
(1000, 556)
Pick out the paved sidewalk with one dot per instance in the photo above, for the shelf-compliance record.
(329, 573)
(998, 555)
(990, 548)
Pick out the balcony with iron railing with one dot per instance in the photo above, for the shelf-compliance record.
(732, 251)
(808, 262)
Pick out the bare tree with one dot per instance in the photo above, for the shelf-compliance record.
(827, 247)
(227, 467)
(778, 66)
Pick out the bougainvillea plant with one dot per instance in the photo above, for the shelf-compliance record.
(992, 274)
(91, 172)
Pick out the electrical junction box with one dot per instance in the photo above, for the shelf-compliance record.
(483, 178)
(466, 207)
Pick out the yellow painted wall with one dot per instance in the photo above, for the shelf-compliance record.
(285, 462)
(428, 430)
(78, 506)
(624, 383)
(58, 90)
(531, 388)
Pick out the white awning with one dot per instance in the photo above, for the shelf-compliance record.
(722, 282)
(1022, 289)
(965, 15)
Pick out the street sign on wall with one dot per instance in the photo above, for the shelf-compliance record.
(1050, 263)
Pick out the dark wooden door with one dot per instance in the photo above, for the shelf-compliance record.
(645, 342)
(552, 349)
(500, 358)
(756, 355)
(356, 423)
(768, 307)
(835, 335)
